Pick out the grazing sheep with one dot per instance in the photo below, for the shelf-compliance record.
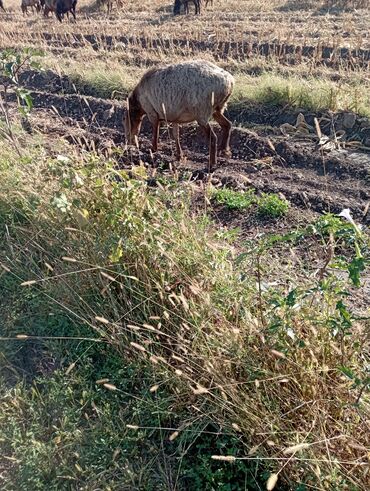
(178, 4)
(182, 93)
(65, 7)
(30, 3)
(108, 3)
(49, 6)
(2, 5)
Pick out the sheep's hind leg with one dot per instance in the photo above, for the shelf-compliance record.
(155, 138)
(224, 148)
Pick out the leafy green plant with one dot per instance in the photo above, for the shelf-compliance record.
(234, 200)
(272, 206)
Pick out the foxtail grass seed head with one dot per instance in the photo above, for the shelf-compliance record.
(69, 259)
(138, 346)
(28, 283)
(21, 336)
(70, 368)
(102, 381)
(110, 386)
(271, 482)
(175, 357)
(295, 448)
(200, 390)
(48, 266)
(225, 458)
(132, 427)
(134, 328)
(103, 320)
(236, 427)
(154, 388)
(5, 268)
(173, 435)
(110, 278)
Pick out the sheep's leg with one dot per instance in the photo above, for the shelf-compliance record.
(155, 138)
(212, 138)
(226, 126)
(176, 135)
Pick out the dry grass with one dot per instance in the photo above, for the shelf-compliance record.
(157, 283)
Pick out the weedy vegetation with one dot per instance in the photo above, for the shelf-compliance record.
(144, 346)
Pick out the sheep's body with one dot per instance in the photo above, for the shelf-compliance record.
(65, 7)
(179, 3)
(182, 93)
(30, 3)
(49, 6)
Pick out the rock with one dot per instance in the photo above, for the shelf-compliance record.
(349, 120)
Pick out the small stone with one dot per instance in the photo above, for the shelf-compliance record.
(349, 120)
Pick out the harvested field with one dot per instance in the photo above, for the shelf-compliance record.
(181, 330)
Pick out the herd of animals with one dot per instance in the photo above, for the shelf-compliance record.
(59, 7)
(62, 7)
(191, 91)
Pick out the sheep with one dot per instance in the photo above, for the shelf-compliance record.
(64, 7)
(50, 6)
(182, 93)
(185, 3)
(2, 5)
(30, 3)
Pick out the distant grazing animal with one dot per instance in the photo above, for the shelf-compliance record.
(49, 6)
(65, 7)
(30, 3)
(109, 4)
(182, 93)
(2, 5)
(179, 3)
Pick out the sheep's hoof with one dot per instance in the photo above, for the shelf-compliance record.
(225, 153)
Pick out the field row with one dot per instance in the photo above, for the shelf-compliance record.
(220, 50)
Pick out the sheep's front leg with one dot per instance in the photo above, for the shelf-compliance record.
(176, 135)
(226, 132)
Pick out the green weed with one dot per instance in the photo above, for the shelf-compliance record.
(272, 206)
(234, 200)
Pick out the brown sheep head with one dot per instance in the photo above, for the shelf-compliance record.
(133, 118)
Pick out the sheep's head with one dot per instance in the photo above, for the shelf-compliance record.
(133, 119)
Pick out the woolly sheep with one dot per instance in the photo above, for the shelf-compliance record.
(182, 93)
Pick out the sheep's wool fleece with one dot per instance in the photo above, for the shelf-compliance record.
(185, 92)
